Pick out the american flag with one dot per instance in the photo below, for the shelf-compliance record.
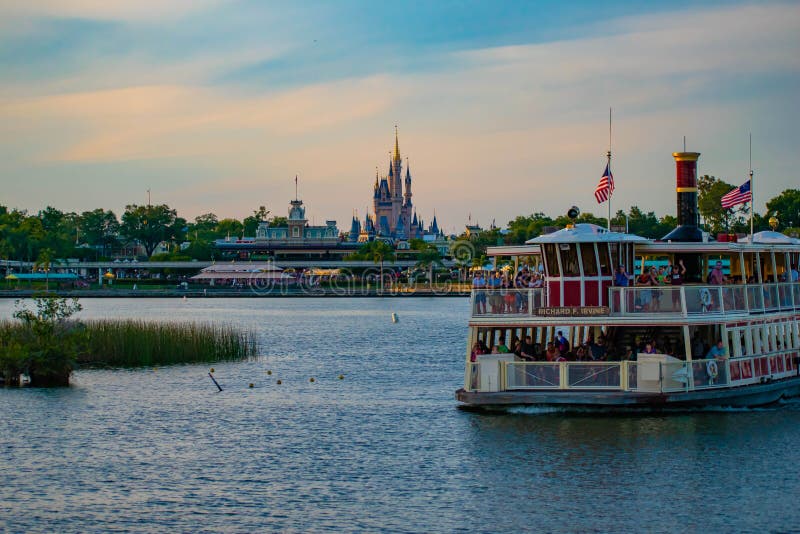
(740, 195)
(606, 186)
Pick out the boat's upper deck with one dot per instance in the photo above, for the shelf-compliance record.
(712, 302)
(586, 271)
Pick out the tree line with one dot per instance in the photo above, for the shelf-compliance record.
(100, 234)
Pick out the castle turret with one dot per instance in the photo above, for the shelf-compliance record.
(434, 229)
(407, 193)
(355, 230)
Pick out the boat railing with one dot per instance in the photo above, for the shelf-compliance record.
(650, 377)
(693, 300)
(684, 301)
(502, 302)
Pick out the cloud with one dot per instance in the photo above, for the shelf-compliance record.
(140, 10)
(490, 132)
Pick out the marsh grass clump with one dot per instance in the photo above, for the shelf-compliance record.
(43, 343)
(137, 343)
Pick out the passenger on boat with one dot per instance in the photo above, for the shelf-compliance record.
(597, 350)
(795, 274)
(629, 354)
(645, 297)
(501, 346)
(495, 298)
(536, 281)
(649, 349)
(677, 273)
(479, 284)
(698, 347)
(527, 350)
(717, 277)
(621, 278)
(717, 351)
(662, 275)
(561, 343)
(477, 350)
(551, 354)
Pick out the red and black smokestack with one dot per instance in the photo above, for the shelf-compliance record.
(686, 185)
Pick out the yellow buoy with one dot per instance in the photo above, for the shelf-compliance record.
(279, 382)
(341, 377)
(394, 317)
(269, 372)
(311, 379)
(251, 384)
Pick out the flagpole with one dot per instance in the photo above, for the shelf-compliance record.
(610, 192)
(752, 191)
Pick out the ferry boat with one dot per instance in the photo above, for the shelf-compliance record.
(750, 320)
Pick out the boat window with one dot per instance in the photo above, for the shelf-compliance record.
(616, 254)
(780, 265)
(551, 260)
(751, 267)
(588, 260)
(734, 342)
(767, 272)
(569, 259)
(737, 272)
(605, 262)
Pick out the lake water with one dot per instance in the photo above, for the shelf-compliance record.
(385, 449)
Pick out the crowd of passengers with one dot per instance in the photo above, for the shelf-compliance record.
(674, 275)
(671, 275)
(508, 301)
(599, 350)
(559, 350)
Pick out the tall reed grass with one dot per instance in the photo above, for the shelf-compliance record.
(136, 343)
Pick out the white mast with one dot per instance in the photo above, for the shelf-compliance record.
(608, 155)
(752, 191)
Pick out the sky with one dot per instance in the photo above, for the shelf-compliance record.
(502, 107)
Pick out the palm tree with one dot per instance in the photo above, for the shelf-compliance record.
(381, 251)
(427, 258)
(43, 262)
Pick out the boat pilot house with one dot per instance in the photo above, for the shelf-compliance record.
(599, 318)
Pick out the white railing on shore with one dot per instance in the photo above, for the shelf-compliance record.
(652, 377)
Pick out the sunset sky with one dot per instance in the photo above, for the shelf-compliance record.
(502, 107)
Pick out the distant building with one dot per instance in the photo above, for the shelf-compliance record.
(394, 217)
(294, 240)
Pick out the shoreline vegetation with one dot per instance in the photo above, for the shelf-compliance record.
(443, 291)
(46, 344)
(139, 343)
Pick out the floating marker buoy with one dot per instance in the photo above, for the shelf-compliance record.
(269, 372)
(341, 377)
(184, 298)
(311, 379)
(251, 385)
(279, 382)
(394, 317)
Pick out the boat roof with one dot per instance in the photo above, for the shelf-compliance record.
(768, 237)
(586, 233)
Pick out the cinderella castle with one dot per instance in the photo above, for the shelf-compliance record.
(393, 214)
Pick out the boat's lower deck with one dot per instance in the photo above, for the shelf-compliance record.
(742, 396)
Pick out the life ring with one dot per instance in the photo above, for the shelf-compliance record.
(705, 297)
(712, 368)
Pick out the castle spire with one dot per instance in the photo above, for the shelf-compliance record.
(396, 145)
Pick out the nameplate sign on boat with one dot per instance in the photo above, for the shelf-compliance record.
(573, 311)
